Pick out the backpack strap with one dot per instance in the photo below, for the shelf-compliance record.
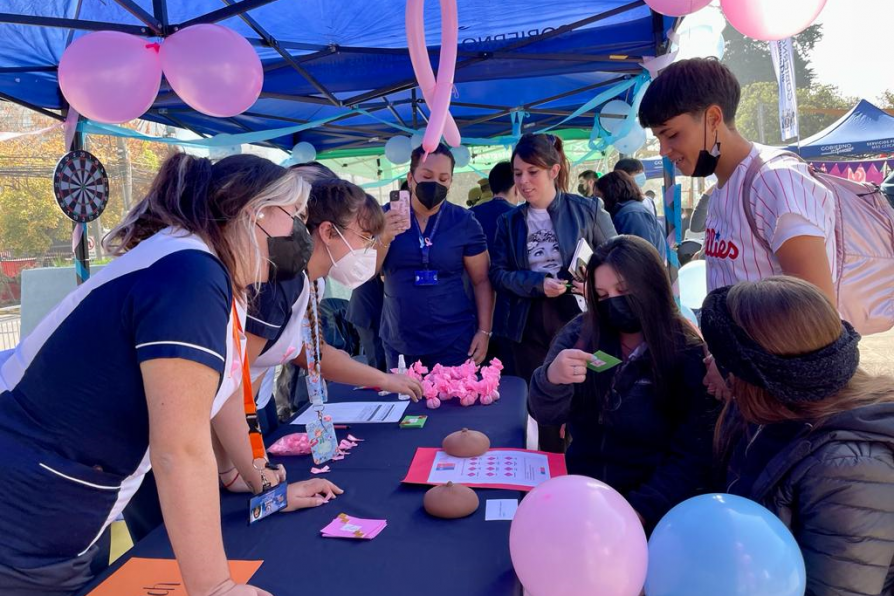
(757, 164)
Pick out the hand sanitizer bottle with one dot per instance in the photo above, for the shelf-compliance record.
(402, 370)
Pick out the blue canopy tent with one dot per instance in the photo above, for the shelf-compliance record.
(865, 129)
(328, 58)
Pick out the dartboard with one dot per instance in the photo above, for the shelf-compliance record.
(81, 186)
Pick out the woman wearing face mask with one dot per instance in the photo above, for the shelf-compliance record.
(338, 241)
(644, 426)
(810, 434)
(533, 248)
(624, 201)
(427, 314)
(78, 432)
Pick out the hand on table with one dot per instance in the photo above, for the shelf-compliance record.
(478, 349)
(310, 493)
(402, 384)
(569, 367)
(554, 287)
(231, 588)
(715, 382)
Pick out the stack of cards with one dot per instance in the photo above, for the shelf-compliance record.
(413, 421)
(345, 526)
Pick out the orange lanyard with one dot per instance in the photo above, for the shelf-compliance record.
(248, 399)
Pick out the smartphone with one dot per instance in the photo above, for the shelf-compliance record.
(400, 202)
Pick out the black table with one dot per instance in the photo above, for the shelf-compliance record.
(416, 553)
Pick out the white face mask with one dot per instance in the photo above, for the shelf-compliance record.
(355, 268)
(640, 179)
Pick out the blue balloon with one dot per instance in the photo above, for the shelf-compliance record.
(719, 545)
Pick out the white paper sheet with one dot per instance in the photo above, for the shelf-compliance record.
(358, 412)
(500, 509)
(494, 467)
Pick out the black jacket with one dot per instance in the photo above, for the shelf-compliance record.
(573, 217)
(655, 454)
(833, 486)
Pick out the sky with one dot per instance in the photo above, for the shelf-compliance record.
(855, 54)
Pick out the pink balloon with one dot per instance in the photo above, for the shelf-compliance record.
(771, 20)
(425, 76)
(677, 8)
(213, 69)
(440, 91)
(110, 76)
(576, 536)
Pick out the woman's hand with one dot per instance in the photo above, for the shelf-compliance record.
(478, 349)
(403, 385)
(231, 588)
(310, 493)
(577, 287)
(554, 287)
(715, 382)
(395, 224)
(569, 367)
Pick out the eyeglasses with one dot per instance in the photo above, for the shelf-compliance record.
(370, 242)
(298, 215)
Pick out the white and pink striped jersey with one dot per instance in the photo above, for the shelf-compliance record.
(787, 202)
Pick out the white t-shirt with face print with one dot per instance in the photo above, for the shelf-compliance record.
(544, 255)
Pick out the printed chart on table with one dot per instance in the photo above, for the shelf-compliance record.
(494, 467)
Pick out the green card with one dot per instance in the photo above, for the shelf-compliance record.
(413, 421)
(606, 362)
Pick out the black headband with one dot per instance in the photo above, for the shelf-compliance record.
(791, 379)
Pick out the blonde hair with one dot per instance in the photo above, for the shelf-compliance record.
(218, 202)
(787, 316)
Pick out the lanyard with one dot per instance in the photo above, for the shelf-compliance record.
(425, 243)
(312, 332)
(248, 399)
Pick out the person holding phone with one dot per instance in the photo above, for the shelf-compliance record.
(640, 419)
(427, 313)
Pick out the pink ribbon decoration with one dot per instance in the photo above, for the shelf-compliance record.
(323, 470)
(293, 444)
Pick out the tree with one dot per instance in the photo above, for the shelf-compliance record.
(886, 100)
(811, 103)
(750, 59)
(31, 221)
(26, 168)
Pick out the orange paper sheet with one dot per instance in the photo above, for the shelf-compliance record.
(160, 577)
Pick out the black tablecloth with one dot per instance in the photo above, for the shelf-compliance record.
(416, 553)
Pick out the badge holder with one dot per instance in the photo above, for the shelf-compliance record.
(426, 276)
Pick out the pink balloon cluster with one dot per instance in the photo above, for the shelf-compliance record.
(767, 20)
(114, 77)
(466, 382)
(436, 92)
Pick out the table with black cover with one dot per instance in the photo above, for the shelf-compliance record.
(416, 554)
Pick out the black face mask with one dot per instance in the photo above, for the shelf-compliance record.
(706, 163)
(430, 193)
(617, 313)
(290, 254)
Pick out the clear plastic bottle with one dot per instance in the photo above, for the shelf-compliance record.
(402, 370)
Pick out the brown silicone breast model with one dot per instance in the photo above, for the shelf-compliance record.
(466, 443)
(450, 501)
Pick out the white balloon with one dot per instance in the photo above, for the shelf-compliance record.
(617, 111)
(461, 155)
(634, 140)
(416, 139)
(710, 16)
(693, 281)
(398, 150)
(304, 152)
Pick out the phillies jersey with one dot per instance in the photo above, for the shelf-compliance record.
(787, 202)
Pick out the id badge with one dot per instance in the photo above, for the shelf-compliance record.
(321, 435)
(268, 503)
(426, 277)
